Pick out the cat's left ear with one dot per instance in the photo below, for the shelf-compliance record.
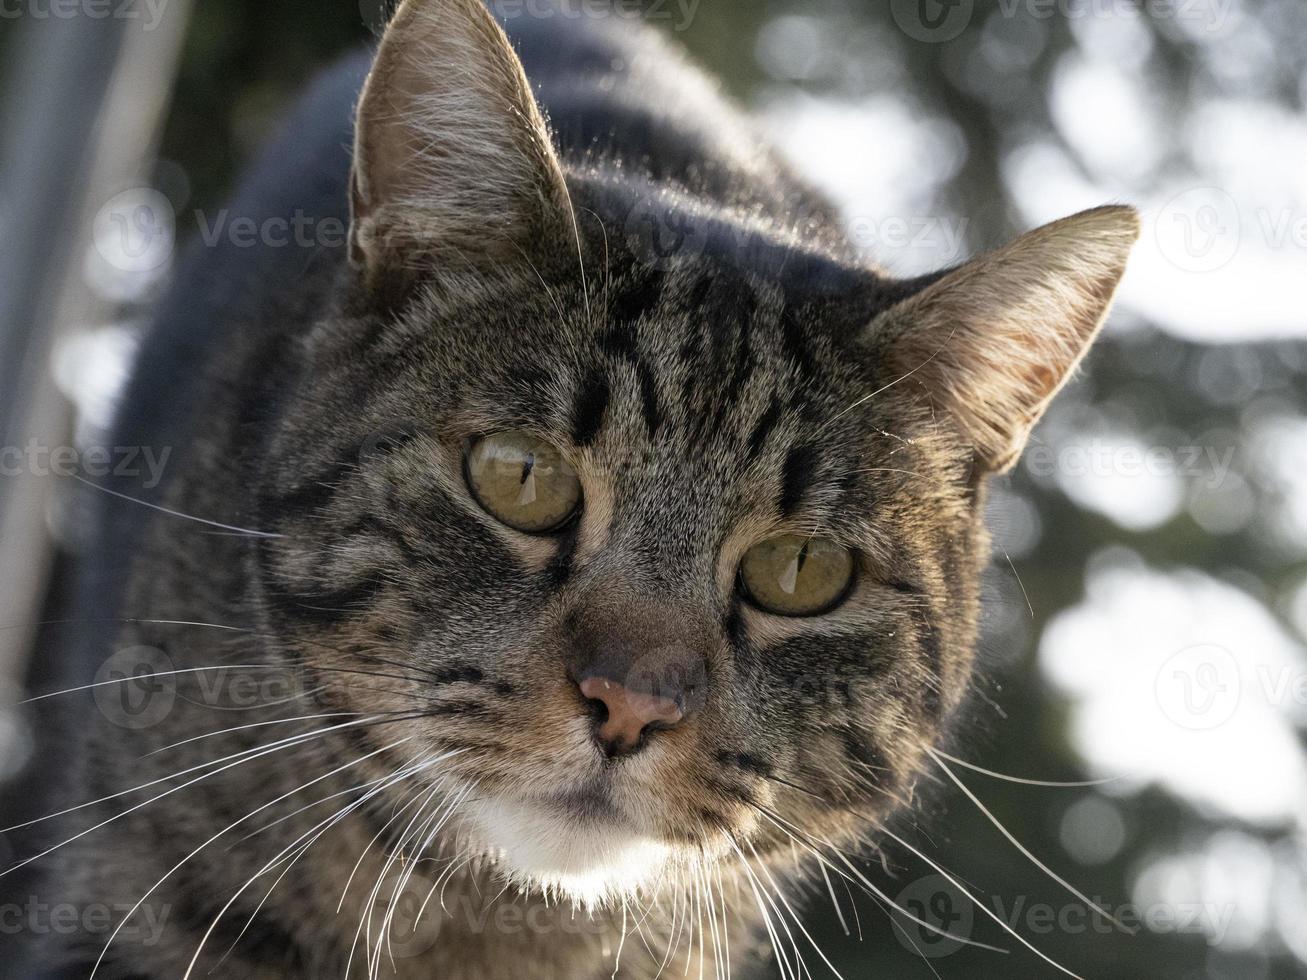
(452, 159)
(992, 341)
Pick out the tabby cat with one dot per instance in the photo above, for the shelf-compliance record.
(549, 575)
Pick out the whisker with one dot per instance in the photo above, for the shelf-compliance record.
(126, 918)
(698, 919)
(412, 798)
(943, 933)
(1022, 848)
(1017, 576)
(127, 621)
(369, 905)
(428, 836)
(726, 931)
(385, 783)
(901, 377)
(1073, 784)
(295, 813)
(413, 672)
(231, 667)
(710, 910)
(857, 919)
(794, 945)
(152, 674)
(621, 943)
(177, 513)
(789, 908)
(868, 886)
(437, 822)
(608, 269)
(448, 876)
(898, 927)
(673, 936)
(553, 297)
(580, 257)
(782, 964)
(952, 880)
(839, 912)
(451, 868)
(245, 755)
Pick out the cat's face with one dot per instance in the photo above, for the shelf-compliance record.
(700, 420)
(674, 560)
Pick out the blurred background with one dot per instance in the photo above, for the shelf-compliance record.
(1146, 625)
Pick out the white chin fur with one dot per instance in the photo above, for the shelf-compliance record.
(592, 863)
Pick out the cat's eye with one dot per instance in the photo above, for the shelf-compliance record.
(796, 575)
(523, 481)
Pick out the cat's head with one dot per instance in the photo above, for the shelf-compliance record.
(676, 555)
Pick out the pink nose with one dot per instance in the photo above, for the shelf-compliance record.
(629, 713)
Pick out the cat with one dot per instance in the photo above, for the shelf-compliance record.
(547, 578)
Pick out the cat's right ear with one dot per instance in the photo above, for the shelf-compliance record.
(992, 341)
(452, 160)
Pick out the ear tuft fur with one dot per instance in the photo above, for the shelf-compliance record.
(993, 340)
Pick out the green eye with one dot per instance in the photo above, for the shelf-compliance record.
(795, 575)
(523, 481)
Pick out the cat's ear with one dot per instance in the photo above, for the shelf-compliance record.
(452, 159)
(992, 341)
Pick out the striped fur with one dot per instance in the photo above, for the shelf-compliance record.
(663, 300)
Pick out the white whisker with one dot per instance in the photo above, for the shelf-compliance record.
(330, 822)
(1022, 848)
(782, 964)
(230, 826)
(1017, 576)
(243, 728)
(901, 377)
(621, 943)
(794, 915)
(839, 912)
(244, 757)
(177, 513)
(1054, 784)
(952, 880)
(871, 888)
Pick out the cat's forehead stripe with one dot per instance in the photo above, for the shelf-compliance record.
(590, 407)
(796, 476)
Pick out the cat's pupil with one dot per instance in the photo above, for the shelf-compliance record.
(803, 557)
(527, 467)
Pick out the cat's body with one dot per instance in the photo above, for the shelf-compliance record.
(671, 305)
